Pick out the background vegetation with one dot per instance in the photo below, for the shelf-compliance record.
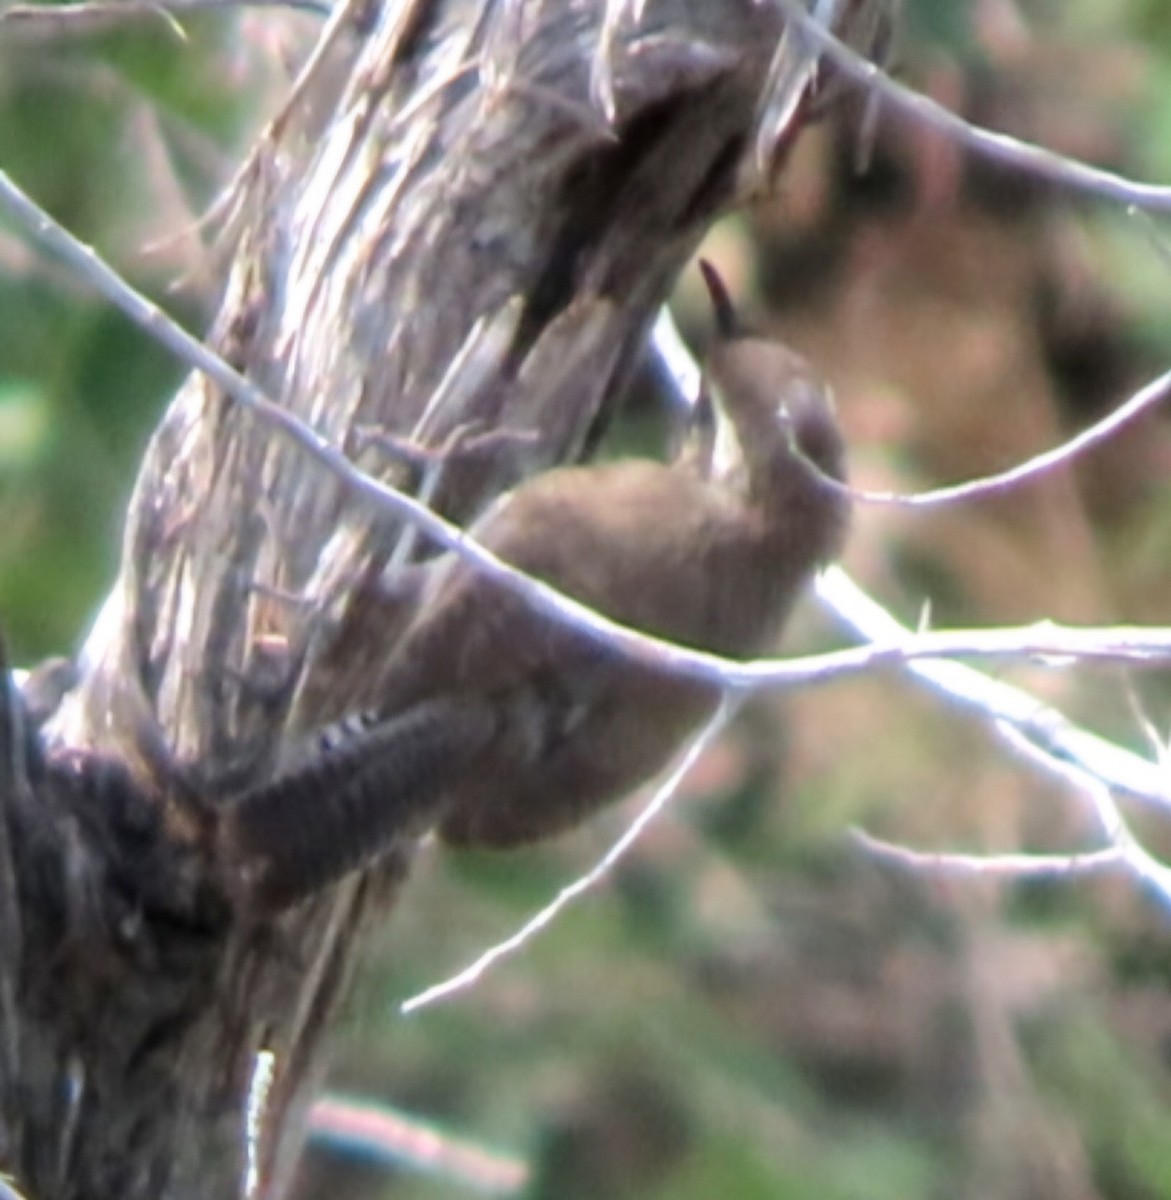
(751, 1009)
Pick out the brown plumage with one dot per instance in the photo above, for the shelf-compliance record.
(712, 556)
(502, 725)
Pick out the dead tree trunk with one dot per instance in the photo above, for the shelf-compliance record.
(454, 238)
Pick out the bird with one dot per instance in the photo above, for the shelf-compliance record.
(498, 724)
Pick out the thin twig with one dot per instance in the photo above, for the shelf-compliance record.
(1042, 724)
(91, 15)
(1122, 850)
(1119, 836)
(663, 795)
(1003, 148)
(1000, 866)
(1146, 398)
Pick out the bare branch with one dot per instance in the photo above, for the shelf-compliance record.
(1001, 147)
(663, 794)
(1123, 850)
(1148, 397)
(997, 866)
(1117, 831)
(94, 16)
(1042, 724)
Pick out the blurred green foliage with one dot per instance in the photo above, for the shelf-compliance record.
(123, 136)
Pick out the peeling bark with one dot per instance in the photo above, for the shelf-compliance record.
(453, 239)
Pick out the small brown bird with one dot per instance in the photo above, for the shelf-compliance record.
(522, 725)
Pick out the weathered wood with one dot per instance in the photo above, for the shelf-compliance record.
(458, 239)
